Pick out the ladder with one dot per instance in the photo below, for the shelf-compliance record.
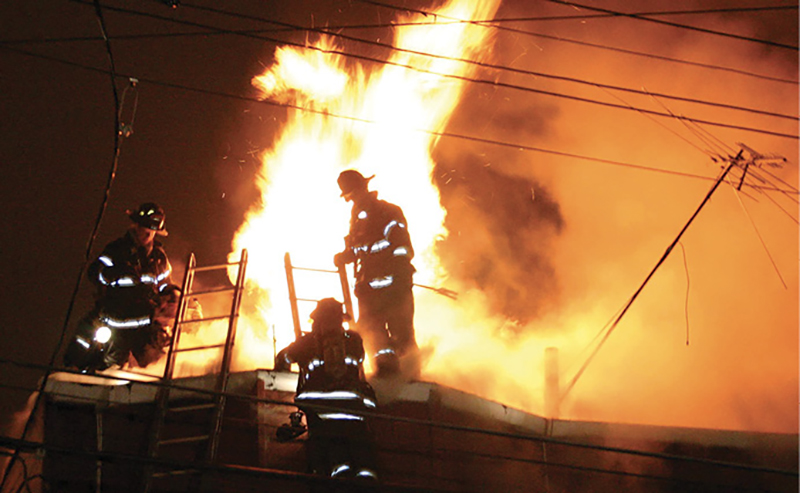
(170, 439)
(293, 299)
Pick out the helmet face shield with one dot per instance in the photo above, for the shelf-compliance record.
(150, 216)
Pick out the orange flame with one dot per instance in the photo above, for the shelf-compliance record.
(391, 116)
(382, 121)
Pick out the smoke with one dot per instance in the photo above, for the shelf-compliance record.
(501, 228)
(545, 249)
(556, 246)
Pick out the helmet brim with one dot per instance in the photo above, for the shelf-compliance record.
(352, 189)
(135, 219)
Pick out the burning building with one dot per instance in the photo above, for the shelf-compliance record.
(543, 246)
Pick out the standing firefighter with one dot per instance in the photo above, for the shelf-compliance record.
(130, 275)
(331, 389)
(380, 247)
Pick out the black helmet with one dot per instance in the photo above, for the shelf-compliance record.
(351, 180)
(328, 316)
(328, 309)
(150, 216)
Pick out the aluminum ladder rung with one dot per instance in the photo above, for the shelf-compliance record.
(214, 267)
(217, 406)
(208, 319)
(212, 291)
(178, 441)
(198, 348)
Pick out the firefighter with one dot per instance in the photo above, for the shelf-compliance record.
(130, 276)
(379, 245)
(331, 389)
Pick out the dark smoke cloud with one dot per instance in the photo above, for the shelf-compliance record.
(500, 229)
(570, 254)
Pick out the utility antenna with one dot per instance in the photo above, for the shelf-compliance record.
(756, 159)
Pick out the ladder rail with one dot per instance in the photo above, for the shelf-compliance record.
(227, 356)
(162, 397)
(293, 298)
(287, 261)
(188, 280)
(348, 300)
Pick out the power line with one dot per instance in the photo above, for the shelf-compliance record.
(93, 236)
(232, 469)
(758, 234)
(142, 419)
(486, 23)
(461, 78)
(469, 138)
(664, 256)
(443, 452)
(655, 13)
(584, 43)
(674, 24)
(439, 424)
(330, 32)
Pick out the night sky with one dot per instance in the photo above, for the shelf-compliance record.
(196, 152)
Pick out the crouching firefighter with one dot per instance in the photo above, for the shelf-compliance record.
(132, 280)
(331, 390)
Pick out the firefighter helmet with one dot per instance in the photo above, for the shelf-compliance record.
(351, 180)
(150, 216)
(329, 311)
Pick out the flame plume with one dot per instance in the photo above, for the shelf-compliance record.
(393, 113)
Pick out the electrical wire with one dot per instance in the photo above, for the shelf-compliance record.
(756, 173)
(512, 145)
(429, 423)
(713, 154)
(92, 237)
(116, 155)
(402, 24)
(758, 234)
(454, 454)
(257, 472)
(205, 33)
(664, 256)
(704, 151)
(490, 82)
(331, 32)
(652, 14)
(674, 24)
(583, 43)
(754, 170)
(779, 179)
(686, 302)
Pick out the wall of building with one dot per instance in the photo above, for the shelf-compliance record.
(428, 437)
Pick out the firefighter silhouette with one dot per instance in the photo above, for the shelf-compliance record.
(132, 279)
(380, 247)
(331, 390)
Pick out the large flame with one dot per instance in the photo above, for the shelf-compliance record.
(391, 116)
(382, 120)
